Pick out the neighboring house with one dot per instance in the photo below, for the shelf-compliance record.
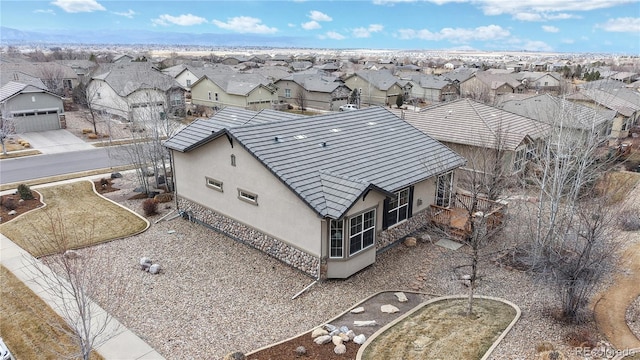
(540, 81)
(613, 95)
(134, 91)
(481, 133)
(488, 85)
(82, 68)
(124, 58)
(324, 194)
(315, 90)
(378, 87)
(301, 65)
(273, 73)
(185, 75)
(569, 121)
(32, 107)
(432, 88)
(59, 79)
(249, 91)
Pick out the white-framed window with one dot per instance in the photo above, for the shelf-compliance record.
(188, 82)
(209, 95)
(214, 184)
(362, 230)
(216, 96)
(444, 189)
(519, 158)
(248, 196)
(287, 93)
(336, 239)
(233, 160)
(398, 207)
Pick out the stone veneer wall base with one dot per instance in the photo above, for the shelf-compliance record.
(237, 231)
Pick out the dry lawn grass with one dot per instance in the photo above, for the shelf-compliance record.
(441, 330)
(30, 328)
(81, 210)
(618, 184)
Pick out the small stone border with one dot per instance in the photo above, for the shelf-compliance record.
(431, 301)
(339, 316)
(44, 205)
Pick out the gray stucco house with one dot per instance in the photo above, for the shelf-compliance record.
(322, 193)
(32, 107)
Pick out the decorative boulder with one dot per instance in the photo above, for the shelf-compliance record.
(330, 327)
(360, 339)
(343, 329)
(71, 254)
(237, 355)
(12, 212)
(301, 350)
(116, 175)
(364, 323)
(344, 337)
(351, 334)
(321, 340)
(425, 238)
(357, 310)
(389, 309)
(336, 340)
(401, 296)
(145, 263)
(410, 242)
(318, 332)
(154, 269)
(340, 349)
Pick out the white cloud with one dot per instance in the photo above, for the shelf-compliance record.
(363, 32)
(626, 24)
(567, 41)
(332, 35)
(128, 14)
(527, 16)
(550, 29)
(245, 24)
(77, 6)
(43, 11)
(311, 25)
(532, 45)
(457, 35)
(182, 20)
(319, 16)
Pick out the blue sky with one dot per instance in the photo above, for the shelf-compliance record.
(602, 26)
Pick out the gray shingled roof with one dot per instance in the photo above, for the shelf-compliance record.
(330, 160)
(239, 83)
(316, 82)
(126, 78)
(469, 122)
(13, 88)
(430, 81)
(200, 131)
(550, 109)
(381, 79)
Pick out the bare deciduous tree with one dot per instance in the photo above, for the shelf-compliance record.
(7, 128)
(70, 278)
(301, 99)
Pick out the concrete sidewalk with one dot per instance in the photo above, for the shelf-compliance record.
(122, 344)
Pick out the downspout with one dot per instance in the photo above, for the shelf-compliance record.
(317, 278)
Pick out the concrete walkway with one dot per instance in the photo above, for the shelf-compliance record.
(122, 343)
(55, 141)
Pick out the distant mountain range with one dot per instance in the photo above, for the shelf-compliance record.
(9, 36)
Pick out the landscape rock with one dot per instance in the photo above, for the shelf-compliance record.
(389, 309)
(336, 340)
(237, 355)
(359, 323)
(12, 212)
(425, 238)
(154, 269)
(319, 332)
(301, 350)
(401, 296)
(343, 329)
(358, 310)
(340, 349)
(344, 337)
(351, 334)
(116, 175)
(410, 242)
(71, 254)
(335, 332)
(360, 339)
(323, 339)
(330, 327)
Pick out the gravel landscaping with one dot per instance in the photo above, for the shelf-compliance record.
(214, 295)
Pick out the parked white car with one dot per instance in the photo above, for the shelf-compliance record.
(5, 354)
(348, 107)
